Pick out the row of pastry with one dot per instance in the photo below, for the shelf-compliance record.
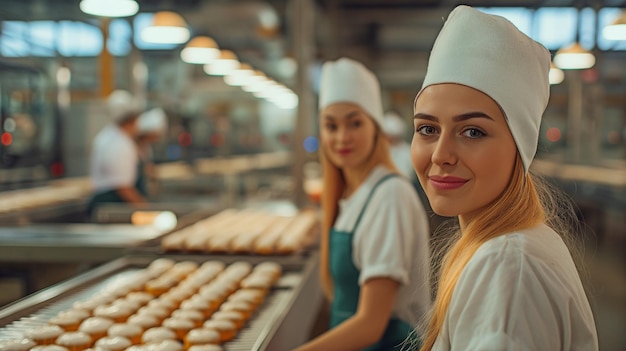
(246, 231)
(168, 306)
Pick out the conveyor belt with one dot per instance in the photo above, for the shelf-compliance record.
(292, 289)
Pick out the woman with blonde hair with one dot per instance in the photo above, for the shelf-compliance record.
(509, 281)
(375, 236)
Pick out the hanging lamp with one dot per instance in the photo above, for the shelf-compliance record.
(574, 56)
(200, 50)
(167, 28)
(556, 75)
(617, 29)
(225, 64)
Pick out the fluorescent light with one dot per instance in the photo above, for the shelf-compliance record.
(109, 8)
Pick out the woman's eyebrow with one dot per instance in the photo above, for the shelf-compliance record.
(426, 116)
(469, 115)
(459, 118)
(349, 115)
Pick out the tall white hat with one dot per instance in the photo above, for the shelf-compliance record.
(488, 53)
(121, 104)
(152, 121)
(393, 124)
(346, 80)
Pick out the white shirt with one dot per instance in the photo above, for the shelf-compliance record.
(114, 160)
(519, 291)
(392, 240)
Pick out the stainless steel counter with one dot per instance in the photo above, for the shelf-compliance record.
(71, 242)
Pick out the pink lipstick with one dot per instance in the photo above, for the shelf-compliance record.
(447, 182)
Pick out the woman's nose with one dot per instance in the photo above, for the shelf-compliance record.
(445, 151)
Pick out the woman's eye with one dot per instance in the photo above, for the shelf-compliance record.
(473, 133)
(356, 124)
(426, 130)
(330, 127)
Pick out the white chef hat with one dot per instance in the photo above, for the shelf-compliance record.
(152, 121)
(121, 104)
(346, 80)
(393, 124)
(488, 53)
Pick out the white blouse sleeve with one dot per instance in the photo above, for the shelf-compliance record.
(507, 300)
(385, 237)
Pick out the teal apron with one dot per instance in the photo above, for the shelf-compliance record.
(346, 285)
(112, 195)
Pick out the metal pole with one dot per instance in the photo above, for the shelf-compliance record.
(303, 45)
(575, 115)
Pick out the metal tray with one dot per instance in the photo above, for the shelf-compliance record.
(281, 323)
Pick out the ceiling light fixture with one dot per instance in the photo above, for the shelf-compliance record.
(240, 76)
(574, 57)
(225, 64)
(617, 29)
(556, 75)
(200, 50)
(109, 8)
(167, 28)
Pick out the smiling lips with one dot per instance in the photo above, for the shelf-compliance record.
(344, 152)
(447, 183)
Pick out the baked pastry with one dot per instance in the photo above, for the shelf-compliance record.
(202, 336)
(128, 305)
(74, 341)
(165, 345)
(17, 345)
(49, 348)
(76, 312)
(160, 266)
(252, 296)
(160, 285)
(45, 335)
(178, 294)
(226, 329)
(257, 281)
(236, 317)
(130, 331)
(116, 313)
(145, 321)
(66, 321)
(197, 303)
(273, 268)
(159, 313)
(183, 269)
(163, 302)
(179, 326)
(241, 306)
(206, 347)
(96, 327)
(113, 343)
(298, 233)
(196, 317)
(140, 296)
(266, 243)
(158, 334)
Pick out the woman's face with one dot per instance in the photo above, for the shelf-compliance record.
(462, 149)
(347, 134)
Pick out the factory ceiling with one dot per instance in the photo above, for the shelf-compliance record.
(392, 37)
